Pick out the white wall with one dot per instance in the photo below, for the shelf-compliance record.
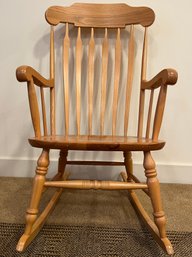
(24, 40)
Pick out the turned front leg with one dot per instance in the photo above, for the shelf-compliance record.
(38, 184)
(154, 193)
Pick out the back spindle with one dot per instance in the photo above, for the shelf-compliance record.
(131, 52)
(116, 81)
(66, 45)
(105, 53)
(78, 79)
(142, 91)
(149, 114)
(90, 80)
(43, 111)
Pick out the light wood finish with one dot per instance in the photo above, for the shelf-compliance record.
(144, 56)
(26, 74)
(124, 176)
(95, 184)
(131, 52)
(34, 223)
(142, 92)
(90, 80)
(25, 240)
(100, 15)
(32, 211)
(105, 50)
(52, 76)
(154, 192)
(99, 143)
(89, 17)
(66, 45)
(128, 165)
(141, 113)
(116, 80)
(135, 179)
(78, 79)
(163, 78)
(96, 163)
(61, 173)
(62, 163)
(43, 112)
(164, 243)
(149, 113)
(159, 112)
(35, 116)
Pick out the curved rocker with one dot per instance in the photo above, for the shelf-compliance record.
(157, 228)
(34, 223)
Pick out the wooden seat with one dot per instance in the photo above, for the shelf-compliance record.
(94, 111)
(104, 143)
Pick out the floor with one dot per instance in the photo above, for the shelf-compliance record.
(102, 208)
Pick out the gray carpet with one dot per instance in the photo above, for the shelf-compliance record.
(93, 223)
(98, 208)
(90, 241)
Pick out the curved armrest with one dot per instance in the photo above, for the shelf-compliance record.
(165, 77)
(27, 73)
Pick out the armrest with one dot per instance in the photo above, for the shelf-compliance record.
(165, 77)
(27, 73)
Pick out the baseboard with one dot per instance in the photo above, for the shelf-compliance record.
(167, 173)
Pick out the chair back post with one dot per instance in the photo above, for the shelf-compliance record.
(52, 76)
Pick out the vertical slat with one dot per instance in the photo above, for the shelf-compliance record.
(34, 108)
(78, 79)
(142, 92)
(90, 80)
(105, 49)
(116, 80)
(159, 112)
(43, 111)
(144, 56)
(131, 52)
(149, 113)
(52, 76)
(66, 44)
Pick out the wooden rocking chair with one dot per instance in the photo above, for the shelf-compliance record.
(89, 19)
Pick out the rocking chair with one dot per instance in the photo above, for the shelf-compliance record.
(89, 19)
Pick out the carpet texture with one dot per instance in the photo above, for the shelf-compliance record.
(93, 223)
(89, 241)
(95, 207)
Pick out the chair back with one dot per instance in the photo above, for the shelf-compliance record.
(93, 67)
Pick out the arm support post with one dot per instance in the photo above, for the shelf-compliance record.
(162, 79)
